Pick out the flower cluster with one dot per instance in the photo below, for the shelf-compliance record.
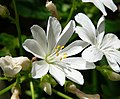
(62, 60)
(55, 58)
(49, 47)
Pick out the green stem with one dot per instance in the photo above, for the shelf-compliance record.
(6, 89)
(3, 78)
(18, 26)
(61, 94)
(10, 86)
(32, 90)
(11, 18)
(71, 11)
(94, 80)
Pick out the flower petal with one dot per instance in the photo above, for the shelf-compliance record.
(100, 39)
(92, 54)
(74, 48)
(74, 75)
(113, 58)
(9, 67)
(56, 27)
(87, 1)
(50, 34)
(39, 35)
(57, 73)
(101, 25)
(66, 33)
(110, 41)
(85, 35)
(86, 23)
(100, 6)
(39, 69)
(33, 47)
(78, 63)
(110, 4)
(11, 72)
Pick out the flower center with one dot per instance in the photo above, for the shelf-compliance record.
(57, 55)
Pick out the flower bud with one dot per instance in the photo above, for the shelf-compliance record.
(52, 8)
(12, 66)
(109, 73)
(4, 12)
(46, 86)
(23, 61)
(114, 76)
(15, 93)
(70, 87)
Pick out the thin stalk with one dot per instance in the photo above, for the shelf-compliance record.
(94, 80)
(10, 86)
(6, 89)
(18, 26)
(3, 78)
(32, 90)
(61, 94)
(71, 11)
(11, 18)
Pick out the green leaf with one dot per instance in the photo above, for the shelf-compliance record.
(9, 44)
(112, 25)
(32, 9)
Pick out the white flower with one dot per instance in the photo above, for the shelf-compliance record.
(100, 5)
(100, 44)
(12, 66)
(55, 58)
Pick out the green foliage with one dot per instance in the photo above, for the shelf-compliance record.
(9, 43)
(32, 9)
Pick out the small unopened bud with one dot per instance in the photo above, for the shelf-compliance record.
(109, 73)
(15, 93)
(52, 8)
(70, 87)
(46, 86)
(23, 61)
(4, 12)
(114, 76)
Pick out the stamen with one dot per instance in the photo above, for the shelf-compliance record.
(60, 58)
(58, 46)
(65, 55)
(57, 54)
(62, 47)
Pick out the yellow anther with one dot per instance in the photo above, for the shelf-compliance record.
(60, 58)
(56, 50)
(62, 47)
(57, 54)
(65, 55)
(58, 46)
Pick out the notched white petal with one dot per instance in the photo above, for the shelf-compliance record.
(39, 35)
(101, 24)
(57, 73)
(85, 22)
(113, 58)
(110, 4)
(74, 75)
(92, 54)
(33, 47)
(66, 33)
(39, 69)
(74, 48)
(78, 63)
(85, 35)
(50, 34)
